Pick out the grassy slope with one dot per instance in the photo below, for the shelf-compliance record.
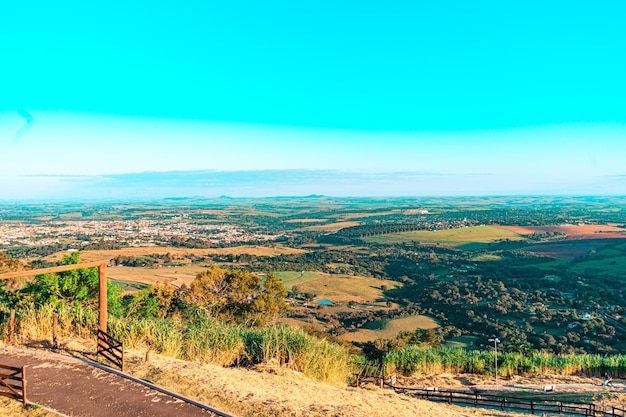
(273, 391)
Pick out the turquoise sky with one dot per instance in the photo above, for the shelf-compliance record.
(447, 97)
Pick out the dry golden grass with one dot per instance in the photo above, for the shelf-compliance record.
(270, 391)
(96, 255)
(14, 408)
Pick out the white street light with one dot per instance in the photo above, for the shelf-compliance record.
(495, 348)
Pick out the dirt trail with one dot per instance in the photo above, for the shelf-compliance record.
(75, 388)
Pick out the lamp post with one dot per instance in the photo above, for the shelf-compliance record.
(495, 348)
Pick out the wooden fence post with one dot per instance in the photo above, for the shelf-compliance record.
(102, 297)
(24, 401)
(11, 326)
(55, 321)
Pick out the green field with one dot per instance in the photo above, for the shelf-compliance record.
(614, 266)
(338, 288)
(451, 237)
(388, 329)
(291, 278)
(486, 257)
(462, 342)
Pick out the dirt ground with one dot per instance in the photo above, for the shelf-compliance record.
(73, 388)
(265, 391)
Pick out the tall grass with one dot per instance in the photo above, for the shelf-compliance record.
(204, 340)
(207, 340)
(36, 323)
(415, 360)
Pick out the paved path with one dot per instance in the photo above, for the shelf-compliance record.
(75, 388)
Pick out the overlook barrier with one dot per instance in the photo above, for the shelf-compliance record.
(504, 403)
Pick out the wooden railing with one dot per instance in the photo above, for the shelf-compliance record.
(369, 372)
(532, 406)
(111, 349)
(13, 382)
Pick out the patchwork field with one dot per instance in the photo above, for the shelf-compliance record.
(615, 266)
(332, 227)
(583, 231)
(462, 342)
(451, 237)
(388, 329)
(362, 215)
(335, 287)
(176, 275)
(569, 249)
(96, 255)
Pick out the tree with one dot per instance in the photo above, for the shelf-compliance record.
(157, 300)
(78, 287)
(237, 295)
(270, 303)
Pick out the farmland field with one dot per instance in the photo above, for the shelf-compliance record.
(450, 237)
(388, 329)
(332, 227)
(335, 287)
(585, 231)
(462, 342)
(96, 255)
(606, 267)
(176, 275)
(569, 249)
